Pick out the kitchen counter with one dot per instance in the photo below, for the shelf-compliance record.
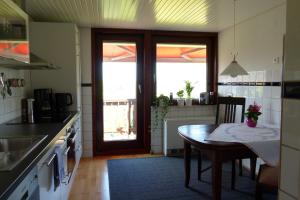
(9, 180)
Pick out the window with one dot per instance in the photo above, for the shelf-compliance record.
(177, 63)
(131, 67)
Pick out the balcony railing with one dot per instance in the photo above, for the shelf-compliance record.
(119, 119)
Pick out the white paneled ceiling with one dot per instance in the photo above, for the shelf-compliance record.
(192, 15)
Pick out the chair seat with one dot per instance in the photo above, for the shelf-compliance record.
(268, 176)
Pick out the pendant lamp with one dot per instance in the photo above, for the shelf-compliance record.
(234, 68)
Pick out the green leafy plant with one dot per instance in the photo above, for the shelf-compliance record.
(180, 93)
(162, 102)
(188, 88)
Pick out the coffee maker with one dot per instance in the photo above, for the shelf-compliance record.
(43, 105)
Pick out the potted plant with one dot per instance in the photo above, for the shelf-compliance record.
(161, 103)
(252, 114)
(180, 101)
(188, 88)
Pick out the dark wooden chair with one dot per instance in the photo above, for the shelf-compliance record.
(229, 116)
(267, 180)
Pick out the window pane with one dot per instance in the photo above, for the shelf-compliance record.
(119, 91)
(177, 63)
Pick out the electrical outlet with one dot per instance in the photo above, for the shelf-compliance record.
(276, 60)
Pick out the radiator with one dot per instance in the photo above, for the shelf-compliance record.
(172, 142)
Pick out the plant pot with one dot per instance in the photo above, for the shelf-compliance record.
(180, 102)
(188, 102)
(251, 123)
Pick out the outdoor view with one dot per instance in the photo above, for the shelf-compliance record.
(119, 91)
(176, 63)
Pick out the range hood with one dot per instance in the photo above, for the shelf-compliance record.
(15, 43)
(35, 63)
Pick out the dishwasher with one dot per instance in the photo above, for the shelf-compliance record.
(28, 189)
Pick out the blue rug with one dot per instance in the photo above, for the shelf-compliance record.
(163, 178)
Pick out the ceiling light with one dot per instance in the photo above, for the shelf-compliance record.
(234, 68)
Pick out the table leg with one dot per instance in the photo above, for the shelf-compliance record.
(187, 162)
(233, 174)
(216, 176)
(253, 167)
(199, 165)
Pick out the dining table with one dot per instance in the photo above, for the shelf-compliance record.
(218, 152)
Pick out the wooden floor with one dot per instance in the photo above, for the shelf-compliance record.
(91, 181)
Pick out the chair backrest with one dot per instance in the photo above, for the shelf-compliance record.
(230, 108)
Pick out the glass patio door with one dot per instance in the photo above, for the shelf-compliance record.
(119, 70)
(119, 103)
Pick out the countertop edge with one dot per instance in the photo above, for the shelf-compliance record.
(11, 187)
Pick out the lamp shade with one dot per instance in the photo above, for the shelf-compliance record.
(234, 69)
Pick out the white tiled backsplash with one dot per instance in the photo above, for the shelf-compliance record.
(269, 97)
(10, 107)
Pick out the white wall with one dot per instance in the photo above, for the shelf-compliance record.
(259, 40)
(10, 107)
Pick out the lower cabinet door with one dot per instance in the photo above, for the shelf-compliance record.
(46, 180)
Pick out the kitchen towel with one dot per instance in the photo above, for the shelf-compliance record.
(56, 172)
(264, 140)
(59, 150)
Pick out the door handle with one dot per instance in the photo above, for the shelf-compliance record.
(140, 88)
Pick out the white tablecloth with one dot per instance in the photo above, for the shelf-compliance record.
(264, 140)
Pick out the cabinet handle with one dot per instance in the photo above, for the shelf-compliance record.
(67, 151)
(74, 138)
(51, 159)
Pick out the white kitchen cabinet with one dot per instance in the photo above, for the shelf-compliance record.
(290, 145)
(57, 43)
(28, 188)
(292, 42)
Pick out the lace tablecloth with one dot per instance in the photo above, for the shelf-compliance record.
(264, 140)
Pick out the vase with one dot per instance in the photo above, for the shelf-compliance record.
(180, 102)
(251, 123)
(188, 102)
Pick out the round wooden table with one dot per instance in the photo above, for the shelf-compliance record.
(217, 152)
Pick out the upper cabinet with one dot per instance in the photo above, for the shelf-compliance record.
(14, 42)
(292, 42)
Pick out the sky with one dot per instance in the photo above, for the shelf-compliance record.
(119, 79)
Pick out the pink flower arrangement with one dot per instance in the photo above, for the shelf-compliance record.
(253, 112)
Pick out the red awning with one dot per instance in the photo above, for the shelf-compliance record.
(113, 52)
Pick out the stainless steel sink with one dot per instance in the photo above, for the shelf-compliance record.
(14, 149)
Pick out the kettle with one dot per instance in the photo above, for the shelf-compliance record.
(62, 101)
